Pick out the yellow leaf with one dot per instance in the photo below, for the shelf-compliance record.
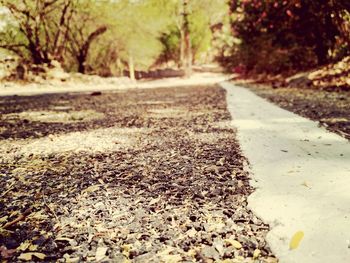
(3, 219)
(39, 255)
(26, 256)
(192, 252)
(126, 249)
(33, 247)
(233, 243)
(296, 239)
(256, 253)
(24, 246)
(29, 256)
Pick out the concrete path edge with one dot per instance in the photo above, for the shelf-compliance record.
(301, 173)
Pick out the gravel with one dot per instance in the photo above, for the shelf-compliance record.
(158, 177)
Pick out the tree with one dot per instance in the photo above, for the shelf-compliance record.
(294, 34)
(189, 33)
(38, 27)
(186, 38)
(47, 30)
(84, 29)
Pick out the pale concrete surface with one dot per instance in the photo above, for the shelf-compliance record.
(302, 176)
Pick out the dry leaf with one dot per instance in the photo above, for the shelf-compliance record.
(40, 215)
(26, 256)
(219, 246)
(256, 253)
(192, 252)
(33, 248)
(100, 253)
(221, 161)
(271, 260)
(3, 219)
(171, 258)
(306, 185)
(91, 189)
(154, 201)
(126, 249)
(192, 232)
(296, 239)
(233, 243)
(71, 260)
(29, 256)
(24, 246)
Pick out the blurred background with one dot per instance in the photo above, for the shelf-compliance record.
(266, 39)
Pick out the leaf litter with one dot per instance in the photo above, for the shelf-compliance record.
(178, 193)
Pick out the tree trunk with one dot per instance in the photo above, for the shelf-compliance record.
(61, 33)
(131, 67)
(81, 63)
(36, 54)
(182, 48)
(321, 53)
(84, 49)
(187, 62)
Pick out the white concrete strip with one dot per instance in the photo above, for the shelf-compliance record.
(302, 177)
(112, 84)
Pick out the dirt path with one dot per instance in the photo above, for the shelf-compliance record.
(144, 176)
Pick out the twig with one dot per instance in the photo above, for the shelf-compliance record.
(18, 219)
(8, 190)
(51, 210)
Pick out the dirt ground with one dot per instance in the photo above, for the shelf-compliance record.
(330, 108)
(146, 176)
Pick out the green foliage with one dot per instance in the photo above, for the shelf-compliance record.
(203, 15)
(171, 41)
(148, 32)
(201, 34)
(43, 30)
(134, 31)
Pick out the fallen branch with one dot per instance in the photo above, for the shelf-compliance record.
(18, 219)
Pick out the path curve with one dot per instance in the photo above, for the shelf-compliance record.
(302, 176)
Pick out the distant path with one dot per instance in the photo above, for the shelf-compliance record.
(93, 83)
(302, 175)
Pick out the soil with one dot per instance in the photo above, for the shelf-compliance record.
(330, 108)
(157, 176)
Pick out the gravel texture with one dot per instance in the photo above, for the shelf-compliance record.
(157, 177)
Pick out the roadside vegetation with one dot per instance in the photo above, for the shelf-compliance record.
(274, 40)
(269, 41)
(108, 38)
